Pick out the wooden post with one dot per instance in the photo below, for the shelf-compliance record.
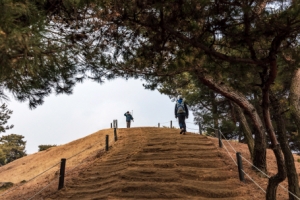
(62, 173)
(110, 125)
(115, 134)
(171, 124)
(220, 139)
(158, 125)
(106, 143)
(240, 166)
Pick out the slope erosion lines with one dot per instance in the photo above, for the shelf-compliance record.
(150, 164)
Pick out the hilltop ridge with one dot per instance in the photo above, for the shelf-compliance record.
(145, 163)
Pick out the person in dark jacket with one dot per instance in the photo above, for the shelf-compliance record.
(182, 112)
(128, 118)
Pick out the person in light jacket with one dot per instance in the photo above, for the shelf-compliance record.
(182, 112)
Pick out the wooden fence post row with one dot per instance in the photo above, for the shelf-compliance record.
(63, 162)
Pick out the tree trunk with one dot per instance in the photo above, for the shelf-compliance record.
(268, 78)
(247, 131)
(259, 154)
(278, 178)
(289, 158)
(294, 98)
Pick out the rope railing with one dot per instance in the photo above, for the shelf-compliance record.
(176, 126)
(189, 123)
(234, 161)
(242, 158)
(254, 167)
(192, 129)
(165, 122)
(80, 163)
(14, 188)
(230, 155)
(254, 181)
(67, 172)
(42, 189)
(288, 191)
(266, 175)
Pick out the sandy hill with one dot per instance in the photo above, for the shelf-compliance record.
(145, 163)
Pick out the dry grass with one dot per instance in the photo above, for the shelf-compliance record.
(261, 180)
(91, 150)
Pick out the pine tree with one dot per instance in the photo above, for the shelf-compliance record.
(4, 116)
(13, 146)
(42, 49)
(161, 36)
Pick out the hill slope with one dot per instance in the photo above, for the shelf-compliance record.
(152, 164)
(145, 163)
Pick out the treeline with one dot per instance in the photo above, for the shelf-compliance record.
(12, 147)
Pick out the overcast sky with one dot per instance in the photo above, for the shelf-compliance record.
(91, 107)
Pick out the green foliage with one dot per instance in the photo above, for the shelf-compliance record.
(46, 146)
(42, 49)
(4, 116)
(2, 157)
(13, 147)
(49, 46)
(229, 129)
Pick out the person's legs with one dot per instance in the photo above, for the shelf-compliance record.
(128, 124)
(181, 120)
(184, 125)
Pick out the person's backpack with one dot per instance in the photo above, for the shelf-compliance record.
(180, 108)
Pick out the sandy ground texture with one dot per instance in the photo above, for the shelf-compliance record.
(145, 163)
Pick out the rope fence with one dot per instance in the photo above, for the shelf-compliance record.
(171, 125)
(14, 188)
(62, 174)
(251, 166)
(114, 125)
(39, 192)
(241, 171)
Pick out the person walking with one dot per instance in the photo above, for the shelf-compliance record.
(128, 118)
(182, 112)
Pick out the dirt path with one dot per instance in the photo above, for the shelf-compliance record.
(150, 164)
